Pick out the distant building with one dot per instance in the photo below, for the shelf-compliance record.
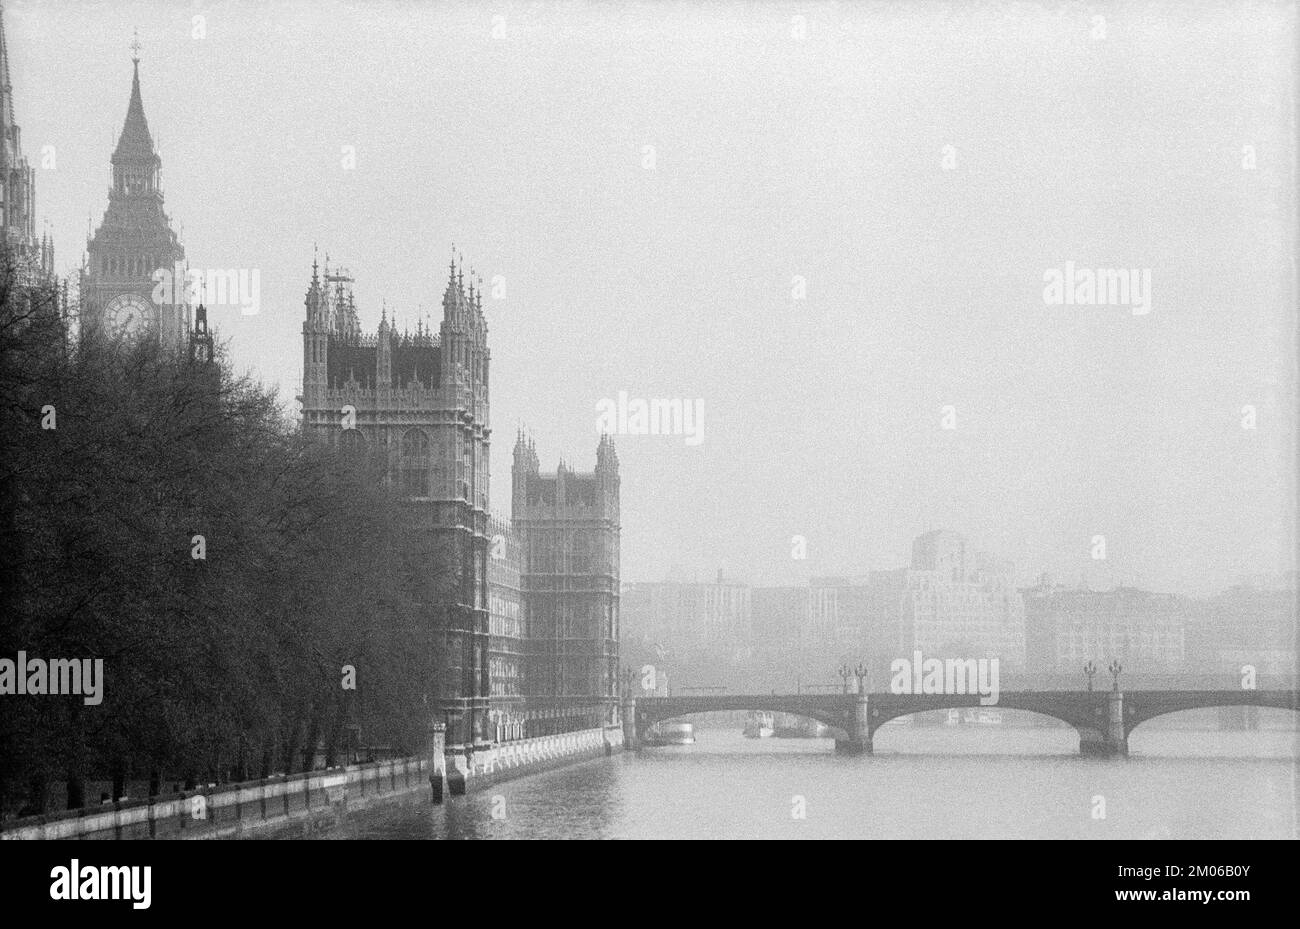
(1144, 631)
(676, 616)
(959, 600)
(1040, 625)
(878, 601)
(1251, 624)
(943, 552)
(949, 598)
(811, 631)
(780, 615)
(794, 634)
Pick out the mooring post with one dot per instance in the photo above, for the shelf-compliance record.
(437, 760)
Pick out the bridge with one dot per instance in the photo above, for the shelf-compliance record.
(1103, 719)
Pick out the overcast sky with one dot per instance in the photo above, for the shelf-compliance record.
(523, 140)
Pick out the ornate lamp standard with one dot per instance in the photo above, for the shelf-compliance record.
(845, 674)
(860, 672)
(1090, 669)
(1114, 669)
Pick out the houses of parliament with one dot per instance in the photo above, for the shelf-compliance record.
(522, 612)
(525, 612)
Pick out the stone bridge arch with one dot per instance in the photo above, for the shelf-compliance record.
(1086, 711)
(1140, 706)
(836, 710)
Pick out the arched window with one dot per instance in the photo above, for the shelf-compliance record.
(415, 463)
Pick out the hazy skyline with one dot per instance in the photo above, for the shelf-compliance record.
(523, 140)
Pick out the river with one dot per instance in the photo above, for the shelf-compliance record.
(932, 783)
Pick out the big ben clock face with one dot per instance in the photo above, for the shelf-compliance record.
(129, 315)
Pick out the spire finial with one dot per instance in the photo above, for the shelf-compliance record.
(201, 314)
(135, 46)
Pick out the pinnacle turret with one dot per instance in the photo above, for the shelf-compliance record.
(18, 183)
(6, 89)
(606, 455)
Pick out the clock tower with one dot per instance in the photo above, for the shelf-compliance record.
(129, 282)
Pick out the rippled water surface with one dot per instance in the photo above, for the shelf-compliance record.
(972, 782)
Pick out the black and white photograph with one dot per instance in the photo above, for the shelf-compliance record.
(653, 421)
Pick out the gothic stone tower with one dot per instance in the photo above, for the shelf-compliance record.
(568, 524)
(134, 240)
(32, 260)
(421, 408)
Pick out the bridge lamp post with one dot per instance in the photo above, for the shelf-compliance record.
(845, 674)
(1114, 669)
(860, 672)
(1090, 669)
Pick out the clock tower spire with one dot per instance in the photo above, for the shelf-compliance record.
(133, 282)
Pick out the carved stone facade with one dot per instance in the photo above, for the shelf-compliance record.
(523, 614)
(568, 523)
(419, 404)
